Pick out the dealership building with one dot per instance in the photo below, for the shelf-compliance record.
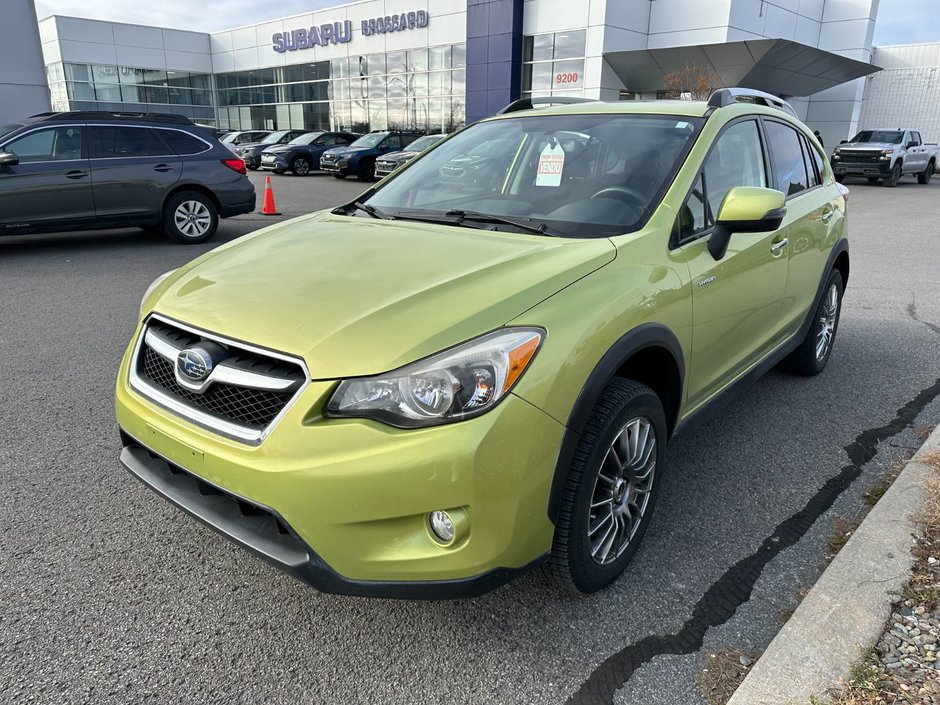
(436, 64)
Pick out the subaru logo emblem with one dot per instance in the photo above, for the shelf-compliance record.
(194, 363)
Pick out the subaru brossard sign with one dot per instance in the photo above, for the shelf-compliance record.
(342, 32)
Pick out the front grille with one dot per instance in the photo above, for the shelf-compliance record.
(254, 408)
(246, 388)
(861, 157)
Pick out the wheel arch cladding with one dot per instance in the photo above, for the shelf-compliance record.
(842, 264)
(649, 354)
(198, 188)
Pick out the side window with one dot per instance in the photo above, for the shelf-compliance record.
(736, 159)
(915, 136)
(57, 144)
(812, 174)
(817, 159)
(407, 139)
(392, 142)
(107, 141)
(182, 143)
(787, 155)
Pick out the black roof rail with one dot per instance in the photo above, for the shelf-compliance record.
(529, 103)
(102, 115)
(724, 97)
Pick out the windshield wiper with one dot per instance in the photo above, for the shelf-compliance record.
(371, 210)
(460, 215)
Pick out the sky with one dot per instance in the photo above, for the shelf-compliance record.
(899, 21)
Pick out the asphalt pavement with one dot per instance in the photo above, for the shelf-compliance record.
(110, 595)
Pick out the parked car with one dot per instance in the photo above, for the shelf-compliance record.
(235, 139)
(251, 152)
(885, 155)
(480, 164)
(427, 391)
(359, 157)
(387, 164)
(302, 154)
(91, 170)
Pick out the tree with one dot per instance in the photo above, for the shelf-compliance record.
(694, 82)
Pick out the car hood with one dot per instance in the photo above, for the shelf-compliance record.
(255, 145)
(351, 296)
(400, 156)
(279, 148)
(341, 151)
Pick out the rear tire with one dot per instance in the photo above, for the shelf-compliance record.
(300, 166)
(925, 176)
(811, 357)
(891, 180)
(190, 218)
(253, 168)
(611, 488)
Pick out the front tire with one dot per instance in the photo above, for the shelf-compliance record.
(300, 166)
(611, 488)
(190, 218)
(925, 176)
(891, 180)
(366, 171)
(339, 176)
(811, 357)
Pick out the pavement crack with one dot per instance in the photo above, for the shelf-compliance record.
(912, 312)
(734, 588)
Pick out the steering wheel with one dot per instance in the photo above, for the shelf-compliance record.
(633, 198)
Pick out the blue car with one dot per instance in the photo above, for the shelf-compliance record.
(359, 157)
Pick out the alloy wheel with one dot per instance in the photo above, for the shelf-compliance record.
(192, 218)
(827, 322)
(622, 490)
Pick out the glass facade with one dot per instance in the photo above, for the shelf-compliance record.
(553, 64)
(420, 89)
(126, 88)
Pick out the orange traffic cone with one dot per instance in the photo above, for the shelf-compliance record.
(269, 208)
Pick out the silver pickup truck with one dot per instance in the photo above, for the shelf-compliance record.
(885, 155)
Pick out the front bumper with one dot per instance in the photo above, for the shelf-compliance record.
(279, 163)
(251, 161)
(354, 495)
(334, 167)
(849, 168)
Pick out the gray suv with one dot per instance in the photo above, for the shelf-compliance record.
(90, 170)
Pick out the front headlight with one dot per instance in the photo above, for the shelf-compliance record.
(453, 385)
(150, 289)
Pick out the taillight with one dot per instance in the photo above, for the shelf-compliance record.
(236, 165)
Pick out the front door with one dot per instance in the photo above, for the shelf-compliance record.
(50, 188)
(737, 301)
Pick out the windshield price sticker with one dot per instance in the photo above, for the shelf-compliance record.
(551, 164)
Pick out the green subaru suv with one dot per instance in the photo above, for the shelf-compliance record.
(475, 367)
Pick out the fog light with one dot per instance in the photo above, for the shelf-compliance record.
(442, 526)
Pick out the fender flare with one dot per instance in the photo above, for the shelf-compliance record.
(644, 336)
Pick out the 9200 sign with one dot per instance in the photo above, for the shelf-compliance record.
(561, 78)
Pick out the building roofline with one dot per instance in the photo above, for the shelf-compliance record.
(126, 24)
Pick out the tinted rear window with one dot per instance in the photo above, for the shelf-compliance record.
(183, 143)
(107, 141)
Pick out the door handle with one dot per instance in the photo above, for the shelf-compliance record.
(827, 213)
(777, 247)
(76, 174)
(163, 167)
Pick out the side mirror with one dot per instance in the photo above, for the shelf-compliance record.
(746, 209)
(8, 159)
(910, 144)
(843, 142)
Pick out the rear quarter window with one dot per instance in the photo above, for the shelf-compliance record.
(183, 143)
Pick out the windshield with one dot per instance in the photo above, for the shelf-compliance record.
(274, 137)
(306, 138)
(571, 175)
(422, 143)
(370, 140)
(7, 129)
(889, 136)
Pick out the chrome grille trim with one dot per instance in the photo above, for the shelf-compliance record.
(222, 374)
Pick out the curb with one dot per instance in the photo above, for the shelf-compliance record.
(847, 607)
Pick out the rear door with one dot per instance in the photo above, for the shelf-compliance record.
(916, 155)
(51, 186)
(132, 170)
